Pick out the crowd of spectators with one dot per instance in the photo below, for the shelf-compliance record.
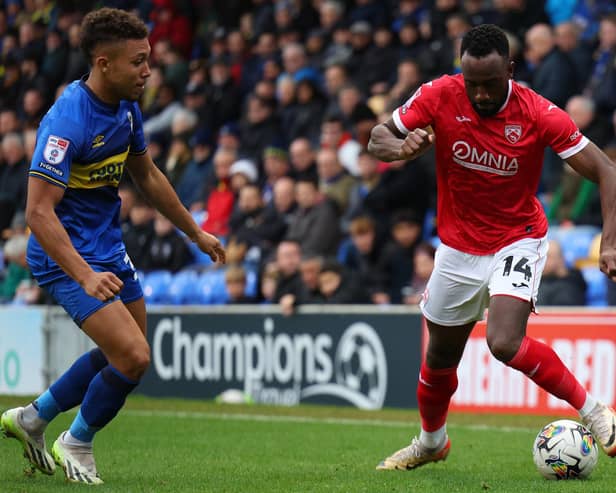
(259, 113)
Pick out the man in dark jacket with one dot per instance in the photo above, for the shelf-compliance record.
(315, 224)
(13, 178)
(560, 285)
(254, 224)
(554, 76)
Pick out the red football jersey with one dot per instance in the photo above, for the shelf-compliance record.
(488, 168)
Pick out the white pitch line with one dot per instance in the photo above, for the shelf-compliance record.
(311, 420)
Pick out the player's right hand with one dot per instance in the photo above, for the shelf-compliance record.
(102, 285)
(607, 262)
(416, 143)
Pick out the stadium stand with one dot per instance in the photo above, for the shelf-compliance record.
(220, 86)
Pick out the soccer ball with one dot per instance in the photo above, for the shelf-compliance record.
(565, 449)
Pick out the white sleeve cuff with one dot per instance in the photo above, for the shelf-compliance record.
(399, 125)
(575, 149)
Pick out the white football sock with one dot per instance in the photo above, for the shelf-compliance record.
(589, 405)
(75, 442)
(31, 421)
(433, 439)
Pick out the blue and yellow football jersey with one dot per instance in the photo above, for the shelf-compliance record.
(82, 145)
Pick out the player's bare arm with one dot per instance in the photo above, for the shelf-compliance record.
(45, 225)
(388, 144)
(593, 164)
(155, 187)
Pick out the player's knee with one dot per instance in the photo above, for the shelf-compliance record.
(503, 348)
(138, 360)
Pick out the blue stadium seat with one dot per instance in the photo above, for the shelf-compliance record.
(199, 216)
(575, 242)
(344, 249)
(211, 288)
(204, 289)
(219, 290)
(251, 283)
(596, 286)
(199, 258)
(156, 287)
(429, 224)
(183, 288)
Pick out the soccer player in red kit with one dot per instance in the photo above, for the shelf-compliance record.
(490, 134)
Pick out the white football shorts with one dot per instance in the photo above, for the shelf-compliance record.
(461, 284)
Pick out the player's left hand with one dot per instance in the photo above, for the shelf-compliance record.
(607, 262)
(211, 245)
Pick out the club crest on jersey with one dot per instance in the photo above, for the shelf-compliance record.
(513, 133)
(55, 149)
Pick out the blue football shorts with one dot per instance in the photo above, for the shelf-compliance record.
(79, 305)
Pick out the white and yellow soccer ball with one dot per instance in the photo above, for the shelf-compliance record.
(565, 449)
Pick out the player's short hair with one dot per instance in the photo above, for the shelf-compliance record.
(108, 25)
(482, 40)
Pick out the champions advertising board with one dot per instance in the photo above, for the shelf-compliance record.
(585, 341)
(21, 350)
(364, 360)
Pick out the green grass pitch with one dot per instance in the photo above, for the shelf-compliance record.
(164, 445)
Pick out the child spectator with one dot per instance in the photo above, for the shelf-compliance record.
(235, 284)
(269, 280)
(338, 287)
(423, 265)
(363, 257)
(397, 258)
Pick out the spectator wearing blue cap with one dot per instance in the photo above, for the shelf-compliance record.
(198, 169)
(195, 98)
(229, 136)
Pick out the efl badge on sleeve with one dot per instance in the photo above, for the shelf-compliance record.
(513, 133)
(55, 149)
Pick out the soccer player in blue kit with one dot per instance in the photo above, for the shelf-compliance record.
(90, 134)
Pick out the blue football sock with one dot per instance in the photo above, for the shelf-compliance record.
(68, 391)
(105, 397)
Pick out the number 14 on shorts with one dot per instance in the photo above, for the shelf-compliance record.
(520, 266)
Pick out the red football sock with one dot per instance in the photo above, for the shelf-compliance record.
(434, 392)
(542, 365)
